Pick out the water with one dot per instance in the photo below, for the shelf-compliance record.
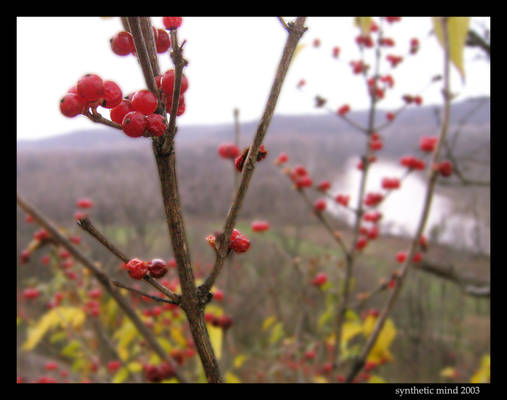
(402, 209)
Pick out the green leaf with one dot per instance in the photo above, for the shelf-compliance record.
(72, 349)
(457, 32)
(57, 337)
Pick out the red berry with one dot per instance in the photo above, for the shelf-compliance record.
(95, 293)
(390, 116)
(30, 293)
(117, 113)
(144, 101)
(218, 295)
(122, 43)
(373, 216)
(319, 279)
(167, 82)
(444, 168)
(84, 203)
(51, 366)
(162, 41)
(80, 215)
(401, 256)
(239, 243)
(376, 145)
(417, 257)
(372, 199)
(90, 87)
(320, 205)
(71, 105)
(228, 150)
(112, 366)
(260, 226)
(155, 124)
(45, 260)
(372, 233)
(336, 52)
(304, 181)
(172, 22)
(282, 158)
(361, 243)
(343, 199)
(112, 94)
(41, 234)
(316, 42)
(390, 183)
(343, 110)
(225, 322)
(428, 143)
(157, 268)
(134, 124)
(310, 354)
(324, 186)
(137, 269)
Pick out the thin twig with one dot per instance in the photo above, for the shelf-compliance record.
(140, 293)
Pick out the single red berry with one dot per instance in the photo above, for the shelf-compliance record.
(316, 42)
(390, 183)
(336, 51)
(393, 19)
(167, 82)
(303, 182)
(218, 295)
(361, 243)
(90, 87)
(41, 234)
(117, 113)
(320, 205)
(94, 293)
(324, 186)
(134, 124)
(162, 41)
(372, 233)
(372, 199)
(401, 256)
(144, 101)
(417, 257)
(75, 239)
(30, 293)
(71, 105)
(156, 311)
(310, 354)
(301, 83)
(376, 145)
(112, 95)
(166, 370)
(225, 322)
(228, 151)
(84, 203)
(157, 268)
(137, 269)
(282, 158)
(343, 110)
(64, 254)
(390, 116)
(80, 215)
(343, 199)
(418, 100)
(122, 43)
(45, 260)
(444, 168)
(428, 143)
(373, 216)
(172, 22)
(260, 226)
(113, 366)
(155, 124)
(51, 366)
(319, 279)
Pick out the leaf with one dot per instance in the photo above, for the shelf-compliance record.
(268, 322)
(172, 380)
(239, 360)
(57, 337)
(325, 317)
(319, 379)
(276, 333)
(121, 375)
(376, 379)
(349, 330)
(457, 32)
(135, 366)
(380, 351)
(483, 374)
(125, 334)
(231, 378)
(165, 344)
(178, 336)
(448, 372)
(72, 349)
(215, 336)
(364, 24)
(58, 316)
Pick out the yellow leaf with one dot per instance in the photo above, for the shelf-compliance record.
(215, 336)
(166, 345)
(276, 333)
(319, 379)
(268, 322)
(448, 372)
(457, 32)
(239, 360)
(58, 316)
(172, 380)
(134, 366)
(364, 24)
(483, 374)
(380, 351)
(231, 378)
(376, 379)
(121, 375)
(349, 330)
(178, 336)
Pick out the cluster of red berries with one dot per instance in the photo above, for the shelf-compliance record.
(222, 321)
(409, 99)
(358, 67)
(345, 109)
(122, 44)
(300, 177)
(394, 60)
(82, 204)
(239, 243)
(90, 92)
(240, 160)
(319, 279)
(138, 269)
(342, 199)
(30, 293)
(390, 183)
(281, 159)
(412, 163)
(158, 373)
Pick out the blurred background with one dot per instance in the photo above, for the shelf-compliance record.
(440, 323)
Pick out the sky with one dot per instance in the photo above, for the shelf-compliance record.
(232, 61)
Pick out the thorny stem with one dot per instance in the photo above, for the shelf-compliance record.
(99, 275)
(432, 179)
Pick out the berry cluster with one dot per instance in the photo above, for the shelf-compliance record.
(222, 321)
(158, 373)
(138, 269)
(240, 160)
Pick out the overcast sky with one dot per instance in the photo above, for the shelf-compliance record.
(231, 64)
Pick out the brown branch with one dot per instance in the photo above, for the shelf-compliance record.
(86, 225)
(140, 293)
(97, 118)
(433, 175)
(296, 30)
(99, 275)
